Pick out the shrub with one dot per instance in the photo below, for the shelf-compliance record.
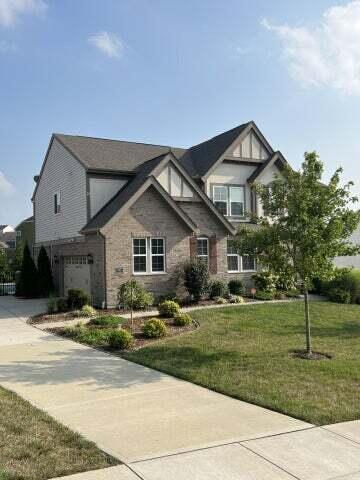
(182, 319)
(62, 305)
(107, 321)
(132, 295)
(52, 305)
(86, 335)
(264, 295)
(168, 308)
(168, 296)
(154, 328)
(86, 311)
(217, 288)
(280, 295)
(348, 280)
(236, 287)
(196, 278)
(221, 301)
(120, 339)
(45, 279)
(77, 298)
(339, 295)
(236, 299)
(27, 285)
(293, 293)
(265, 281)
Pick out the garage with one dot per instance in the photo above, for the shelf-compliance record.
(77, 273)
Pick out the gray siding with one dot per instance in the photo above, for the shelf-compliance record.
(102, 190)
(62, 173)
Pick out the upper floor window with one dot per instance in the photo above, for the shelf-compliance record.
(57, 202)
(239, 263)
(229, 199)
(148, 255)
(202, 249)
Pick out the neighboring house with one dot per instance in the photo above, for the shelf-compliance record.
(25, 233)
(351, 261)
(8, 235)
(110, 210)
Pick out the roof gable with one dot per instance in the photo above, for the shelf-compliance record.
(276, 159)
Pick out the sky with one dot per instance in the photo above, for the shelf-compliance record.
(176, 73)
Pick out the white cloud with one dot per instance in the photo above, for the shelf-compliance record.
(11, 10)
(108, 43)
(6, 188)
(327, 55)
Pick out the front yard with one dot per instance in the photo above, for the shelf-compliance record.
(33, 446)
(245, 352)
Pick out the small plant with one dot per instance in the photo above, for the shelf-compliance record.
(264, 295)
(62, 305)
(107, 321)
(86, 311)
(120, 339)
(77, 298)
(168, 308)
(236, 299)
(182, 319)
(154, 328)
(265, 281)
(221, 301)
(196, 278)
(339, 295)
(89, 336)
(131, 295)
(52, 305)
(217, 288)
(236, 287)
(168, 296)
(280, 295)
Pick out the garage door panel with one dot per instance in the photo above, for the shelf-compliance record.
(76, 274)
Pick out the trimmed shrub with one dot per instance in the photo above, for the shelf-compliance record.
(182, 319)
(120, 339)
(77, 298)
(236, 287)
(62, 305)
(196, 278)
(264, 295)
(132, 295)
(45, 279)
(107, 321)
(221, 301)
(348, 280)
(168, 308)
(236, 299)
(27, 286)
(265, 281)
(339, 295)
(52, 305)
(154, 328)
(217, 288)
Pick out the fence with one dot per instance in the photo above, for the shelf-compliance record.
(7, 284)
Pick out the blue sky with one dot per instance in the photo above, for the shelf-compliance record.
(176, 73)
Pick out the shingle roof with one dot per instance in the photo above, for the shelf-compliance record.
(114, 155)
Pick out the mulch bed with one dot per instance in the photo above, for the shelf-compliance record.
(313, 356)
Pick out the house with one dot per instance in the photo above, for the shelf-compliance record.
(350, 261)
(7, 235)
(25, 233)
(110, 210)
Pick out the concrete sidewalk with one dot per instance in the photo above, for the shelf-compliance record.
(161, 427)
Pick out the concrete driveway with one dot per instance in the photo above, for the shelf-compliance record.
(161, 427)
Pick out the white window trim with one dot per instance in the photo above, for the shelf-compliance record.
(240, 264)
(245, 271)
(228, 200)
(148, 255)
(58, 202)
(207, 247)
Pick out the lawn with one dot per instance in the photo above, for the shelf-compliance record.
(245, 352)
(33, 446)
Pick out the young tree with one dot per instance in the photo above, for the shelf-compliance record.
(307, 224)
(4, 265)
(28, 280)
(45, 279)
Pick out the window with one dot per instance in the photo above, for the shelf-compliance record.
(57, 206)
(148, 255)
(229, 200)
(237, 263)
(18, 233)
(202, 249)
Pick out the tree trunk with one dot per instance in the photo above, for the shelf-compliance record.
(307, 323)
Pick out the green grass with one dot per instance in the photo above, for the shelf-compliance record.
(33, 446)
(244, 352)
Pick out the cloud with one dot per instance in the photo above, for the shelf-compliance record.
(327, 55)
(6, 188)
(108, 43)
(11, 10)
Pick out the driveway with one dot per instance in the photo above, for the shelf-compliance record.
(159, 426)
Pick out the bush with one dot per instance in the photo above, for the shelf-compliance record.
(182, 319)
(168, 308)
(265, 281)
(236, 287)
(86, 335)
(196, 278)
(293, 293)
(168, 296)
(107, 321)
(77, 298)
(120, 339)
(217, 288)
(62, 305)
(348, 280)
(154, 328)
(236, 299)
(27, 286)
(52, 305)
(132, 295)
(264, 295)
(86, 311)
(221, 301)
(339, 295)
(45, 280)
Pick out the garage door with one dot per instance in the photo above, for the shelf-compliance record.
(77, 273)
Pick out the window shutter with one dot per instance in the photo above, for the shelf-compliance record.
(213, 255)
(192, 247)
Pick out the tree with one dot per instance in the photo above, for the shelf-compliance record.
(307, 224)
(45, 279)
(19, 250)
(196, 277)
(4, 266)
(28, 280)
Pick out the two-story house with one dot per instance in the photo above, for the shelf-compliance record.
(110, 210)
